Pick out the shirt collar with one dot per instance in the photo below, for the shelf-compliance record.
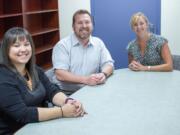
(75, 40)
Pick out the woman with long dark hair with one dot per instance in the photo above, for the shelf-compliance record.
(24, 87)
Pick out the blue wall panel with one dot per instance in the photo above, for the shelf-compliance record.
(111, 23)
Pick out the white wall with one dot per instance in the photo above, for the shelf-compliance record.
(66, 11)
(170, 23)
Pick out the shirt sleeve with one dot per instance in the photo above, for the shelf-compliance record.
(51, 88)
(60, 57)
(129, 47)
(12, 104)
(160, 42)
(105, 56)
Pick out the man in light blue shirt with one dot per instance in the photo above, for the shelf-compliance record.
(81, 59)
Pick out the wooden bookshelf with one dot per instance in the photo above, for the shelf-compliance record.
(40, 18)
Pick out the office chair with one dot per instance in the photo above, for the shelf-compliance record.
(50, 73)
(176, 62)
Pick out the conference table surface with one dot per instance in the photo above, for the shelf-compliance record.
(129, 103)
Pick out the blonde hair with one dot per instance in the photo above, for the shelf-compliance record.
(136, 17)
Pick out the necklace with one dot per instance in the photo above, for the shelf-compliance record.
(29, 80)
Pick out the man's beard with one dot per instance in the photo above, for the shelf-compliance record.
(84, 33)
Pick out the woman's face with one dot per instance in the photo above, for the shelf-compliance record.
(140, 27)
(20, 52)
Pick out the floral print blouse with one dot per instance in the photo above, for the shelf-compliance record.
(152, 54)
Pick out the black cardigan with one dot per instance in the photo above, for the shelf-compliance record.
(18, 105)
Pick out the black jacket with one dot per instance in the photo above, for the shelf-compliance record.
(18, 105)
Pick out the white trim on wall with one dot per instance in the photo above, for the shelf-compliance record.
(170, 24)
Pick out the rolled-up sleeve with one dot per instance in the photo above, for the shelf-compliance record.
(60, 57)
(105, 56)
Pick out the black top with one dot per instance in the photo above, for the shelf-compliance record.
(18, 104)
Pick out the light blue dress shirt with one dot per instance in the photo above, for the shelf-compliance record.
(70, 55)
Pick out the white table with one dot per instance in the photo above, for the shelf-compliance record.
(129, 103)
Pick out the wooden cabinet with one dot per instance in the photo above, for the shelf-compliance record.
(40, 18)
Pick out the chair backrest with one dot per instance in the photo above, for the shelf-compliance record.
(50, 73)
(176, 62)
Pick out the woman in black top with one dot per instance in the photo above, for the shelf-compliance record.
(24, 87)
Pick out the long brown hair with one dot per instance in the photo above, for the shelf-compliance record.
(10, 37)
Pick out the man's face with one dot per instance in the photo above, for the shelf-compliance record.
(83, 26)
